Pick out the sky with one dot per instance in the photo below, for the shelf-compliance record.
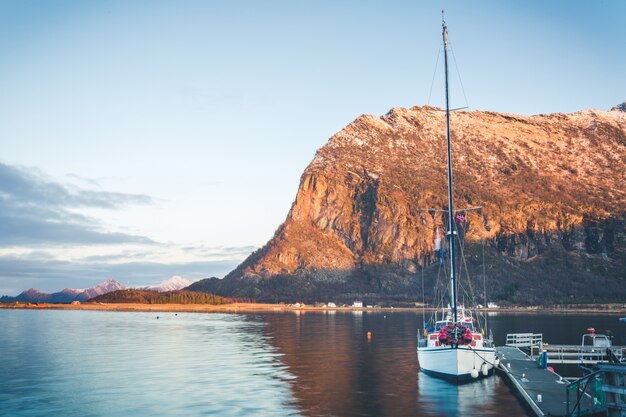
(145, 139)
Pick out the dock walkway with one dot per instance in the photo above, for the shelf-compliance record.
(542, 390)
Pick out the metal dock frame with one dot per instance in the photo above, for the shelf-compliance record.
(582, 355)
(564, 354)
(607, 388)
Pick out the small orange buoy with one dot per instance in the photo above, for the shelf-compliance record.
(369, 335)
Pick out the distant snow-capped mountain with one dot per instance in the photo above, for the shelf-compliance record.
(174, 283)
(67, 295)
(105, 287)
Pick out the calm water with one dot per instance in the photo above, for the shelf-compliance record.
(83, 363)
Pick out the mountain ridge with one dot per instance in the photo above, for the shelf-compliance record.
(66, 295)
(551, 188)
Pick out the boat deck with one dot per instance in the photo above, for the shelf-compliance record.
(542, 390)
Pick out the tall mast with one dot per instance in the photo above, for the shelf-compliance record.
(451, 231)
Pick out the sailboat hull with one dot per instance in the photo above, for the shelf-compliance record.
(455, 364)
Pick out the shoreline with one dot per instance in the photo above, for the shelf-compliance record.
(261, 308)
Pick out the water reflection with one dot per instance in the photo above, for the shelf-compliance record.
(485, 397)
(339, 372)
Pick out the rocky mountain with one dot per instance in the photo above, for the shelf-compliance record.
(552, 192)
(30, 295)
(65, 296)
(172, 284)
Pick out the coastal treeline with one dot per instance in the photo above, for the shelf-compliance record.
(153, 297)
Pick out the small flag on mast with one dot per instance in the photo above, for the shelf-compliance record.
(438, 247)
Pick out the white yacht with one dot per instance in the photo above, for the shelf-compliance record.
(454, 348)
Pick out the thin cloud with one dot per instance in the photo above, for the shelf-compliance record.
(35, 211)
(160, 252)
(18, 273)
(221, 251)
(118, 257)
(89, 181)
(26, 187)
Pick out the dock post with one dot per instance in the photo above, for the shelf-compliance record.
(544, 359)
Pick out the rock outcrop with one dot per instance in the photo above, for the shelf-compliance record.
(552, 192)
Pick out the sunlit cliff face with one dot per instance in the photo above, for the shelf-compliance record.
(538, 180)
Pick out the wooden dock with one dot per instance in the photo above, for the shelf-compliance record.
(543, 391)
